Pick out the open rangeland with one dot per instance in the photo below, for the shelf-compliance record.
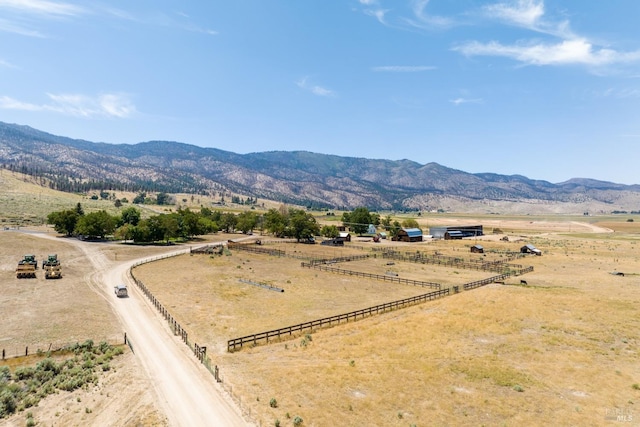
(560, 350)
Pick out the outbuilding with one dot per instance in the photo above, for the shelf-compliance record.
(409, 235)
(345, 236)
(461, 231)
(477, 249)
(530, 249)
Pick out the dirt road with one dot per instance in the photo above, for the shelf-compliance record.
(186, 391)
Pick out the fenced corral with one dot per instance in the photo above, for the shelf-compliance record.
(382, 277)
(292, 331)
(496, 266)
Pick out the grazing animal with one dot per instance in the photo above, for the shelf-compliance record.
(523, 282)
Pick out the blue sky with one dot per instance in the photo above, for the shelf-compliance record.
(546, 89)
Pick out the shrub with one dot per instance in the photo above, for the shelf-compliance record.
(273, 402)
(297, 421)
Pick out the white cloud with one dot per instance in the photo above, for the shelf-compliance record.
(425, 20)
(578, 51)
(303, 83)
(528, 14)
(42, 7)
(460, 101)
(368, 2)
(104, 105)
(379, 14)
(404, 68)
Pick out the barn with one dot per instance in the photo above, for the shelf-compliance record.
(409, 235)
(477, 249)
(464, 231)
(530, 249)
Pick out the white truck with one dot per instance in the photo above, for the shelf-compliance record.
(121, 290)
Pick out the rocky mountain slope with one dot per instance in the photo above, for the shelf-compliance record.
(294, 177)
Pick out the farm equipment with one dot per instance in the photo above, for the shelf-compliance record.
(27, 267)
(51, 267)
(121, 291)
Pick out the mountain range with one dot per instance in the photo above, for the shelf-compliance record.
(297, 177)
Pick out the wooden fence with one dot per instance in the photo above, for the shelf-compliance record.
(19, 350)
(199, 351)
(384, 278)
(263, 337)
(497, 266)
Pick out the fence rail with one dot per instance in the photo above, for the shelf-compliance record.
(384, 278)
(200, 352)
(497, 266)
(22, 350)
(289, 331)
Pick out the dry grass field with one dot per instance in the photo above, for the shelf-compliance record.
(560, 351)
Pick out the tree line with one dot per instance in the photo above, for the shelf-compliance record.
(182, 224)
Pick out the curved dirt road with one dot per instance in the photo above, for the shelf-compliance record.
(186, 391)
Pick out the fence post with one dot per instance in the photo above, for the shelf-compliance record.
(125, 338)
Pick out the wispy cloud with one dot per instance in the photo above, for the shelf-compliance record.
(109, 105)
(42, 7)
(565, 52)
(304, 83)
(404, 68)
(379, 14)
(416, 18)
(6, 64)
(425, 20)
(564, 48)
(460, 101)
(528, 14)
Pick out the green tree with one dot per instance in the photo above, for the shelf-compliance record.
(275, 222)
(130, 215)
(139, 199)
(330, 231)
(247, 221)
(358, 220)
(302, 225)
(164, 199)
(79, 209)
(228, 222)
(97, 224)
(64, 221)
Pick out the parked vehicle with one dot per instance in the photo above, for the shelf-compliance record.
(27, 267)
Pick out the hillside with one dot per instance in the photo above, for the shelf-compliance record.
(295, 177)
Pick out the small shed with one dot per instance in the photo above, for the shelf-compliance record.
(530, 249)
(477, 249)
(410, 235)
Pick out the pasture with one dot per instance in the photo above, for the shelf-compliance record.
(561, 350)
